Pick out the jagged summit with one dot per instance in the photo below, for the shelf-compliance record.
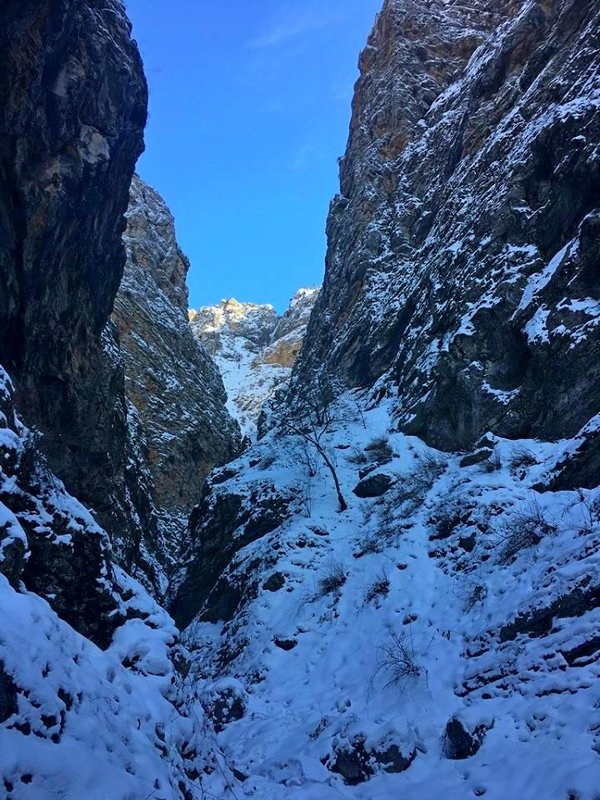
(252, 321)
(254, 348)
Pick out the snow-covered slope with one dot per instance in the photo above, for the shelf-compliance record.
(254, 348)
(366, 617)
(428, 628)
(439, 638)
(94, 699)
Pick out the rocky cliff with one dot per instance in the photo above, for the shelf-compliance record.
(171, 381)
(374, 612)
(254, 348)
(73, 109)
(463, 247)
(93, 695)
(93, 698)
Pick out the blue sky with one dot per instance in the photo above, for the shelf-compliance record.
(249, 111)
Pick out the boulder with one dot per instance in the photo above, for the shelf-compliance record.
(373, 485)
(459, 742)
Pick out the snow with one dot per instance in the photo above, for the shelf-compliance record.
(11, 531)
(248, 383)
(448, 605)
(94, 721)
(251, 346)
(540, 280)
(537, 327)
(77, 721)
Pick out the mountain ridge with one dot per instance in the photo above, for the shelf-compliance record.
(254, 347)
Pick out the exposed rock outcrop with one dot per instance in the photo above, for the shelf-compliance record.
(90, 667)
(48, 541)
(170, 379)
(462, 269)
(255, 349)
(222, 525)
(72, 113)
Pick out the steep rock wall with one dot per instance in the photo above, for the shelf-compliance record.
(462, 267)
(72, 112)
(170, 379)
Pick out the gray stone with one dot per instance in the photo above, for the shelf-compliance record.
(476, 458)
(274, 582)
(8, 695)
(224, 522)
(373, 486)
(170, 379)
(356, 764)
(415, 242)
(460, 743)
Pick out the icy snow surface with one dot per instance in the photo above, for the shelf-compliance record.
(471, 569)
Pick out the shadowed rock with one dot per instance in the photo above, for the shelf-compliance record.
(462, 266)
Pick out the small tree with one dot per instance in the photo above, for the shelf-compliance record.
(312, 421)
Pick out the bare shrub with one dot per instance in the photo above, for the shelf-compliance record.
(313, 422)
(333, 580)
(520, 459)
(477, 595)
(527, 528)
(357, 457)
(413, 487)
(396, 659)
(370, 542)
(266, 461)
(590, 514)
(386, 520)
(428, 468)
(493, 463)
(307, 458)
(379, 450)
(379, 588)
(304, 498)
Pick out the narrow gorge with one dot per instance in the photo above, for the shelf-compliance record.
(347, 551)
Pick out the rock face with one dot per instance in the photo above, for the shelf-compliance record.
(254, 349)
(222, 525)
(47, 541)
(93, 697)
(72, 112)
(454, 596)
(462, 268)
(170, 379)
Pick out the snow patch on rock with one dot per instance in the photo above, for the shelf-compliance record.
(254, 348)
